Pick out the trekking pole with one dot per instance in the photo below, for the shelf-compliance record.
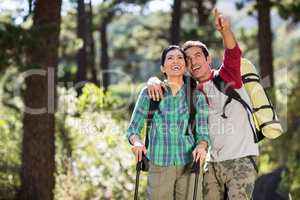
(137, 179)
(196, 169)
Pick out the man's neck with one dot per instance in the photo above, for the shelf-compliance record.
(206, 76)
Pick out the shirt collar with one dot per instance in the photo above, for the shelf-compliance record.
(169, 92)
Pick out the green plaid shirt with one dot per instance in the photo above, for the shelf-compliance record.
(168, 142)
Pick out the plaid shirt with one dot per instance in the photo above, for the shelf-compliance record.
(168, 142)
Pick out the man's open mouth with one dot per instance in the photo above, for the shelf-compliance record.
(194, 67)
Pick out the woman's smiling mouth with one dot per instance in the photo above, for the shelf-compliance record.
(176, 68)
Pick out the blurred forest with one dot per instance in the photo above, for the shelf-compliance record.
(71, 70)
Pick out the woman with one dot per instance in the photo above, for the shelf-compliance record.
(171, 151)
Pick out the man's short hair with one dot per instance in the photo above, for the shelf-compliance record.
(191, 43)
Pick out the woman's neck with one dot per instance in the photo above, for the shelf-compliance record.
(175, 83)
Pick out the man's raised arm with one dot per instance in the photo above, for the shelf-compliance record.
(230, 71)
(222, 24)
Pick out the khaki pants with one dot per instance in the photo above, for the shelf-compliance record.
(238, 176)
(172, 183)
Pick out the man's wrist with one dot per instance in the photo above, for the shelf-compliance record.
(154, 80)
(226, 32)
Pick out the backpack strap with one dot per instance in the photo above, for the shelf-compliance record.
(250, 77)
(190, 89)
(226, 89)
(228, 100)
(153, 107)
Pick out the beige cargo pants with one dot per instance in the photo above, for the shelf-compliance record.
(172, 183)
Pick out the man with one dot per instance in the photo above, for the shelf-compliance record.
(231, 169)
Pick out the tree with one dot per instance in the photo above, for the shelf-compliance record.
(90, 43)
(197, 22)
(104, 58)
(204, 9)
(108, 10)
(289, 9)
(264, 38)
(86, 54)
(82, 34)
(137, 43)
(285, 9)
(175, 23)
(38, 150)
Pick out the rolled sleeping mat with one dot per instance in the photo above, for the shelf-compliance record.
(264, 114)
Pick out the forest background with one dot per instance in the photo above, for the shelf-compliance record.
(71, 71)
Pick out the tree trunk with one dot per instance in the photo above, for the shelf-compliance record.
(82, 34)
(91, 45)
(175, 23)
(29, 7)
(104, 58)
(265, 40)
(104, 62)
(204, 9)
(38, 150)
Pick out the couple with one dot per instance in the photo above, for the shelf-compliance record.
(231, 169)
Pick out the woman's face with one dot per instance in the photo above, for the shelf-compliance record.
(174, 63)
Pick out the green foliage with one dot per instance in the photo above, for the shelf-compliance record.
(94, 98)
(291, 143)
(69, 45)
(10, 127)
(13, 41)
(285, 151)
(198, 26)
(10, 137)
(248, 42)
(289, 9)
(92, 154)
(137, 42)
(128, 92)
(100, 163)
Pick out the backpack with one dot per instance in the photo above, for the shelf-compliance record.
(264, 122)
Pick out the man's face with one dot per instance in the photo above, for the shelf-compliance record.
(198, 65)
